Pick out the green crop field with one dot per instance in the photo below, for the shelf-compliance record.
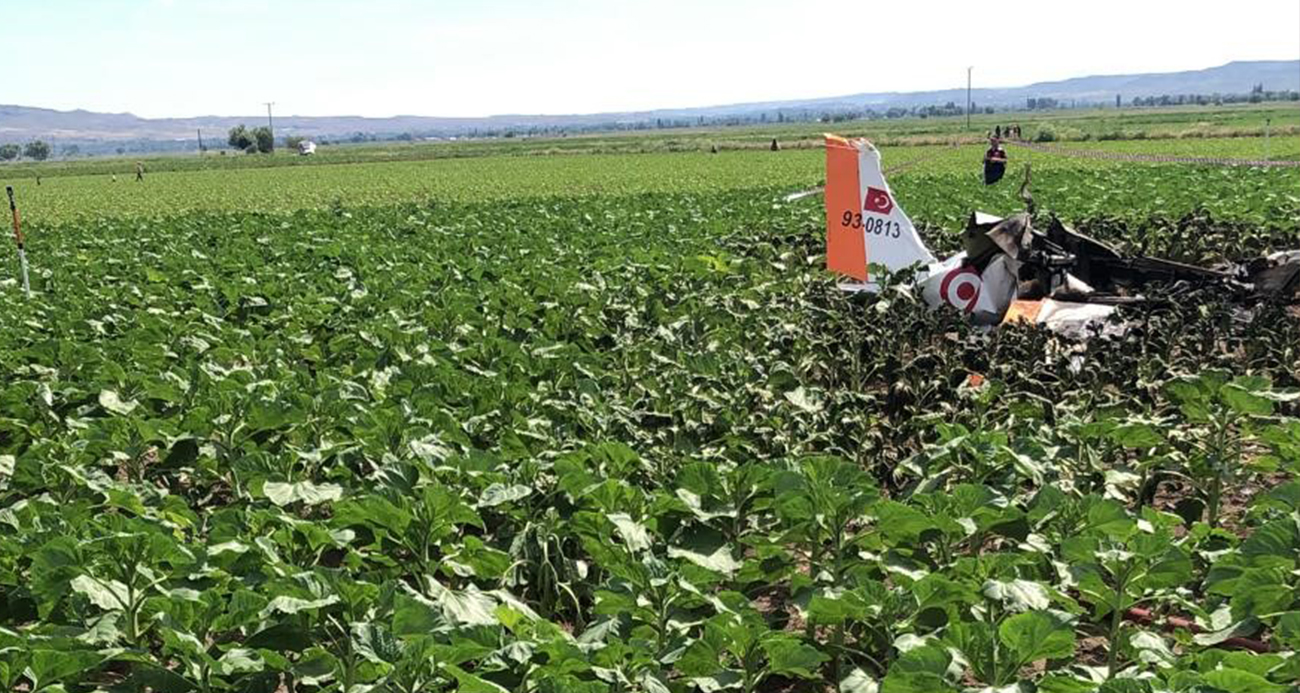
(1238, 128)
(602, 422)
(941, 188)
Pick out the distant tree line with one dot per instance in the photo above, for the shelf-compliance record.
(37, 149)
(1257, 95)
(257, 140)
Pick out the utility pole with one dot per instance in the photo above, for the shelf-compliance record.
(1268, 125)
(270, 124)
(201, 149)
(968, 101)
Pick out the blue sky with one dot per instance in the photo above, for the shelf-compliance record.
(460, 57)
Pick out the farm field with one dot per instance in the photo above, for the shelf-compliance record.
(939, 183)
(1236, 127)
(604, 423)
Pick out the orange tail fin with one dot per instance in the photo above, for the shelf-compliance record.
(846, 248)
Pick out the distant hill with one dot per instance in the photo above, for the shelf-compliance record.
(1233, 78)
(103, 131)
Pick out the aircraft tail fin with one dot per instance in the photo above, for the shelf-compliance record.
(864, 224)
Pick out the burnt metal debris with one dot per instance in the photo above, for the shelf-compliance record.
(1063, 264)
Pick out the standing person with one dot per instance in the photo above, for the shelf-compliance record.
(995, 152)
(995, 162)
(997, 132)
(139, 172)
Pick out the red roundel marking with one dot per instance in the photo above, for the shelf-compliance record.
(877, 201)
(961, 288)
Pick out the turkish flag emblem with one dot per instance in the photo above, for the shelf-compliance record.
(878, 202)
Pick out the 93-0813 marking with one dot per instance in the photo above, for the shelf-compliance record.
(872, 225)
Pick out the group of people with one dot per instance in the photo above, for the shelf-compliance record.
(1010, 131)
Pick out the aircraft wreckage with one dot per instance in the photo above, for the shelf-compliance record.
(1009, 271)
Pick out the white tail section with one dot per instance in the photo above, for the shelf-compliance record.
(865, 225)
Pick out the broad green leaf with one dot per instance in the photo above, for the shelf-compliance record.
(722, 681)
(1065, 683)
(635, 536)
(109, 595)
(1259, 664)
(919, 670)
(498, 494)
(1137, 435)
(1171, 569)
(1152, 649)
(1018, 595)
(805, 401)
(430, 449)
(1288, 630)
(1128, 685)
(315, 667)
(1237, 681)
(836, 606)
(901, 523)
(1038, 635)
(1109, 518)
(1275, 545)
(414, 615)
(1246, 402)
(372, 510)
(719, 560)
(937, 591)
(653, 684)
(290, 636)
(306, 492)
(468, 607)
(1239, 629)
(859, 681)
(704, 657)
(788, 656)
(113, 403)
(160, 679)
(240, 661)
(51, 666)
(105, 630)
(469, 683)
(1287, 494)
(1262, 592)
(293, 605)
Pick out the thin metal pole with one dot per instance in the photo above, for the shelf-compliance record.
(1268, 123)
(270, 124)
(968, 101)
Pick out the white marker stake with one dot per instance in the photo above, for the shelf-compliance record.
(18, 238)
